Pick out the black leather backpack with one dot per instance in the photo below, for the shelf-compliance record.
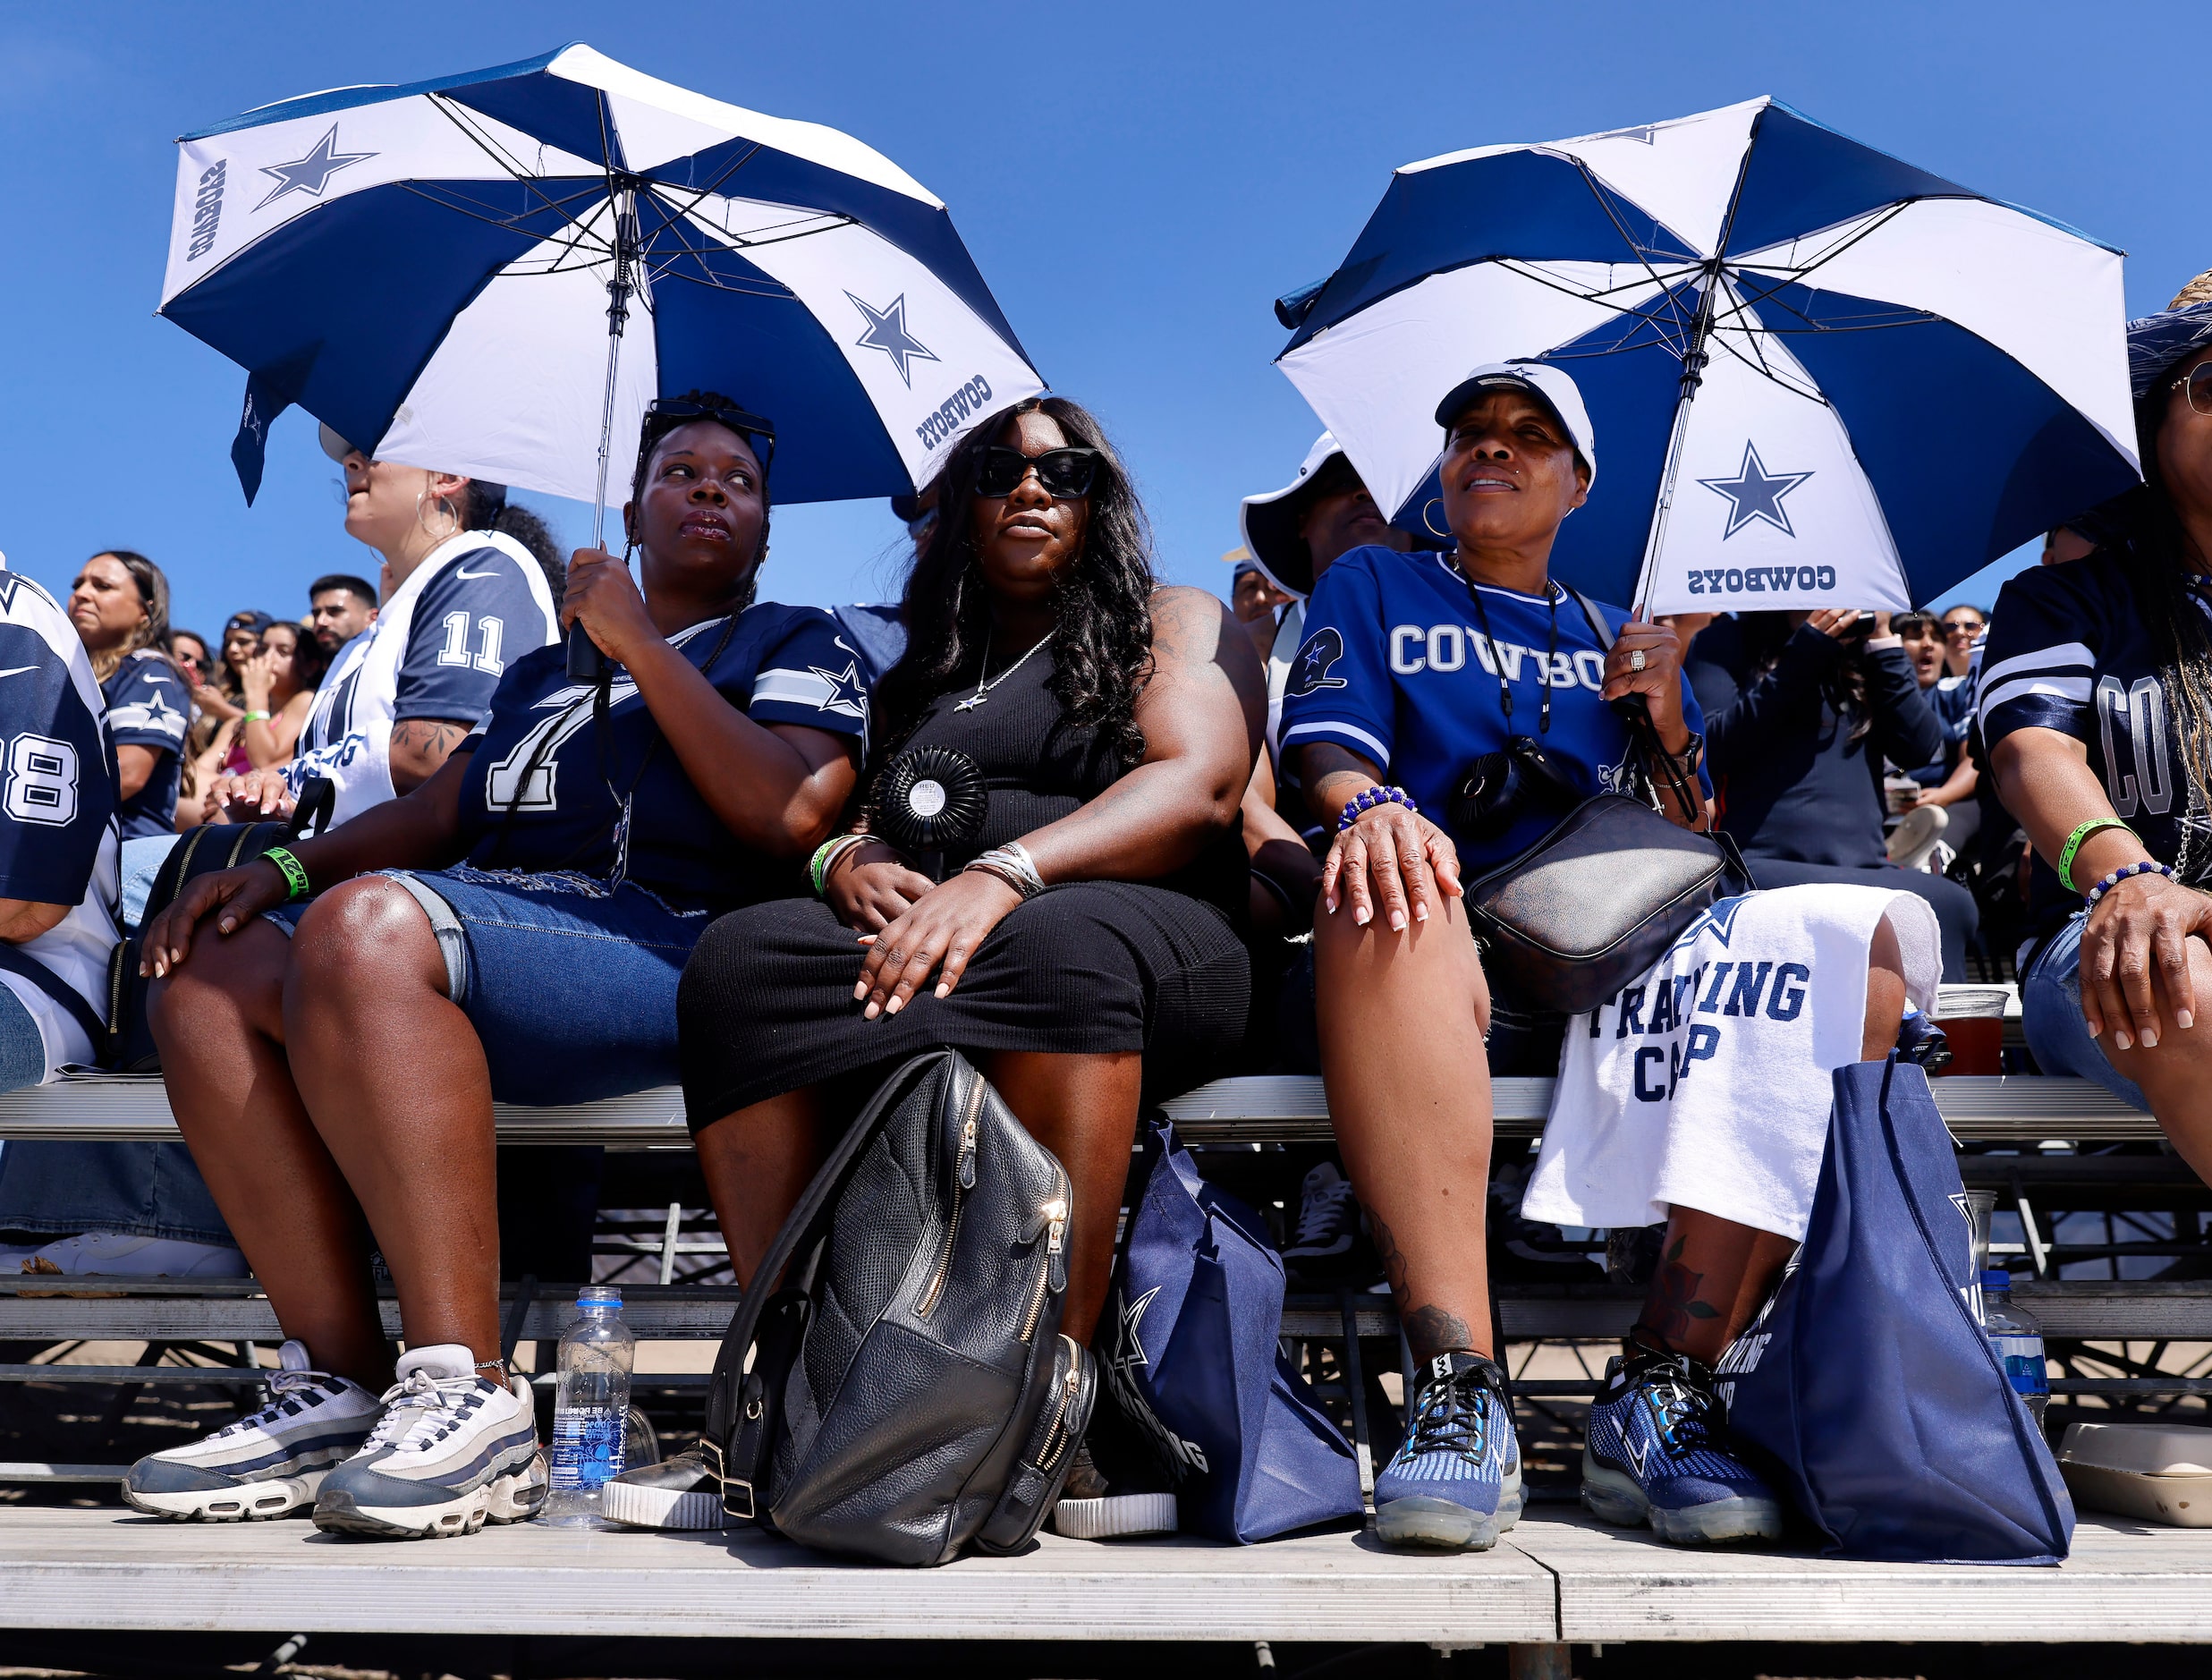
(909, 1393)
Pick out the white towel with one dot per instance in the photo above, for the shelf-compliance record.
(1707, 1084)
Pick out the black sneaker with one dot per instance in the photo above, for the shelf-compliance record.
(1326, 1245)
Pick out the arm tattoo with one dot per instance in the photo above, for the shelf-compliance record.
(1430, 1330)
(1674, 1301)
(430, 737)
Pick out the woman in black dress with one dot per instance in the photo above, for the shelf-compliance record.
(1093, 954)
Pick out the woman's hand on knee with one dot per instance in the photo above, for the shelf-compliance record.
(944, 927)
(2140, 930)
(233, 897)
(1394, 860)
(871, 887)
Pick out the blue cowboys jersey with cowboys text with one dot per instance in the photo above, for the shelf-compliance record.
(1395, 668)
(57, 807)
(2068, 650)
(477, 604)
(537, 795)
(148, 707)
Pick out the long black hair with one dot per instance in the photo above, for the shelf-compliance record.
(1102, 631)
(656, 428)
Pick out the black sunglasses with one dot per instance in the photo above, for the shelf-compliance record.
(663, 414)
(1064, 473)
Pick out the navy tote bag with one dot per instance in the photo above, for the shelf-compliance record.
(1867, 1384)
(1195, 1365)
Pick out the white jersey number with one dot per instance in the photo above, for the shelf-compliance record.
(489, 634)
(42, 781)
(503, 788)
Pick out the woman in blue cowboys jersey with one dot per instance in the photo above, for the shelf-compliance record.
(2096, 703)
(1084, 945)
(469, 586)
(513, 930)
(120, 606)
(1413, 666)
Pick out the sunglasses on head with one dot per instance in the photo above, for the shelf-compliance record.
(1064, 473)
(671, 412)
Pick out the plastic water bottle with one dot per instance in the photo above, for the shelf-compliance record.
(2018, 1339)
(590, 1408)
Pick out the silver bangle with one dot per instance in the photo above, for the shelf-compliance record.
(1012, 864)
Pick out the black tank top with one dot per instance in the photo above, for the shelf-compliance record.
(1039, 766)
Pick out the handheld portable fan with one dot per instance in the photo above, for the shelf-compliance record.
(928, 800)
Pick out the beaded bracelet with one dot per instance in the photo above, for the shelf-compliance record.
(826, 856)
(1369, 799)
(2089, 898)
(2073, 844)
(294, 871)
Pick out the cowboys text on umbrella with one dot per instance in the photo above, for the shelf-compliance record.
(311, 173)
(1755, 493)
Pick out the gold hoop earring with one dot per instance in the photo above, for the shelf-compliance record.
(1433, 500)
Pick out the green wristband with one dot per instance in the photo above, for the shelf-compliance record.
(2073, 844)
(294, 871)
(826, 856)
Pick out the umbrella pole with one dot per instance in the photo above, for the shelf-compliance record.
(585, 663)
(1694, 358)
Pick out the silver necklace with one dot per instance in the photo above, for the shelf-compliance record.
(983, 689)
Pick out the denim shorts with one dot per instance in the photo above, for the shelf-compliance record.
(2051, 1018)
(570, 983)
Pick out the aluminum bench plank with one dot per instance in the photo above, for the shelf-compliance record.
(1262, 1108)
(105, 1569)
(2124, 1580)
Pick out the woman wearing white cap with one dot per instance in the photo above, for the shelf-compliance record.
(1413, 667)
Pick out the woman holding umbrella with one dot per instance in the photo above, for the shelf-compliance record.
(1414, 666)
(513, 928)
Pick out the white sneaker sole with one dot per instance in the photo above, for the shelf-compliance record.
(1119, 1516)
(1438, 1524)
(659, 1507)
(1613, 1495)
(513, 1497)
(249, 1502)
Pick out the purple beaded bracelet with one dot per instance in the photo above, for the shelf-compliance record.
(2089, 898)
(1369, 800)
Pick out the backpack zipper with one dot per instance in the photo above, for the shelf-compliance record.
(1055, 1214)
(963, 1181)
(1057, 1438)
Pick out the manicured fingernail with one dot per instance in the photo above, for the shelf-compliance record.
(2094, 1028)
(1330, 904)
(944, 991)
(2150, 1041)
(2183, 1019)
(1421, 912)
(894, 1005)
(1362, 915)
(2122, 1039)
(1397, 922)
(870, 1012)
(859, 991)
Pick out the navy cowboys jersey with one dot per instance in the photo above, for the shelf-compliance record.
(1395, 668)
(475, 605)
(148, 707)
(2067, 650)
(57, 831)
(537, 794)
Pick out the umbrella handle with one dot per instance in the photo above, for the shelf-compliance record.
(586, 664)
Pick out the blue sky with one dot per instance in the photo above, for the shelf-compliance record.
(1137, 181)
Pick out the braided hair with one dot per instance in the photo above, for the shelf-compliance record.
(1102, 603)
(655, 431)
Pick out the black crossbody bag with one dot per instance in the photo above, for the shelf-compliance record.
(1596, 901)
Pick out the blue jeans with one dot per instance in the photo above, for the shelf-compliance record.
(2051, 1018)
(129, 1189)
(570, 984)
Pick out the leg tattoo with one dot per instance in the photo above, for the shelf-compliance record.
(1673, 1303)
(1430, 1330)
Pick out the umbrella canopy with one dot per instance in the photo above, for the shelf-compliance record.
(426, 270)
(1819, 376)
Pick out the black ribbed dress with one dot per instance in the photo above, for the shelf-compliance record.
(1088, 967)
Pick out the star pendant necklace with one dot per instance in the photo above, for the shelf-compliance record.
(983, 689)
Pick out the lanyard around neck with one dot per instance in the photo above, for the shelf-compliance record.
(1552, 592)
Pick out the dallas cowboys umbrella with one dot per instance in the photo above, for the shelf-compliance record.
(433, 271)
(1819, 376)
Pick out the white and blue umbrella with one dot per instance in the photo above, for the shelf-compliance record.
(1819, 376)
(430, 270)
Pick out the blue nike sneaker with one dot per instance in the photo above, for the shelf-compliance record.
(1656, 1452)
(1456, 1481)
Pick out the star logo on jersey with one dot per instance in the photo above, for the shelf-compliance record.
(310, 174)
(153, 713)
(1309, 672)
(886, 331)
(1755, 493)
(848, 694)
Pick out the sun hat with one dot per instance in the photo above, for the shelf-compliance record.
(2157, 342)
(1554, 385)
(1270, 522)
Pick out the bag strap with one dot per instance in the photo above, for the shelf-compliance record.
(22, 962)
(1606, 637)
(800, 1230)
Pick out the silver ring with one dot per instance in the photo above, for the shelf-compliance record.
(1636, 661)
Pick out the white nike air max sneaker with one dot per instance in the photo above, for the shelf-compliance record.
(453, 1451)
(271, 1464)
(108, 1254)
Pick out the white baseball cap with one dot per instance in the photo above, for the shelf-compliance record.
(1270, 523)
(1554, 385)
